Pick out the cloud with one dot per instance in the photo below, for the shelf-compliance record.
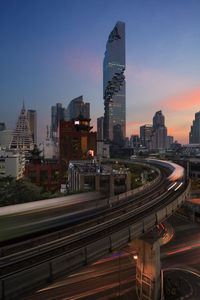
(183, 101)
(133, 128)
(179, 133)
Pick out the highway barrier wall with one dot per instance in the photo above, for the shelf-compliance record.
(84, 207)
(17, 284)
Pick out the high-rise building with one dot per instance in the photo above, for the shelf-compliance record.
(6, 138)
(118, 138)
(77, 107)
(145, 133)
(135, 141)
(100, 129)
(170, 141)
(58, 113)
(194, 135)
(22, 138)
(114, 93)
(158, 138)
(32, 118)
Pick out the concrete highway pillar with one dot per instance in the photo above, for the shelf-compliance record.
(81, 182)
(148, 272)
(128, 181)
(111, 185)
(97, 182)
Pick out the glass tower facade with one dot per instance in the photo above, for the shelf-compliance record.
(194, 135)
(77, 107)
(114, 92)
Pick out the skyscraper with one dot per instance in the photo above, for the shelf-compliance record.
(114, 83)
(58, 113)
(194, 135)
(32, 118)
(22, 138)
(145, 133)
(77, 107)
(100, 128)
(158, 138)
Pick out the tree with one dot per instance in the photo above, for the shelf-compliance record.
(19, 191)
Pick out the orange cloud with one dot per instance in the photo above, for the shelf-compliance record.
(179, 133)
(183, 101)
(133, 128)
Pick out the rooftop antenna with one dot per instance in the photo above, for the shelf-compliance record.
(47, 132)
(23, 106)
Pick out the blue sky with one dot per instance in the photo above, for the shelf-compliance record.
(52, 51)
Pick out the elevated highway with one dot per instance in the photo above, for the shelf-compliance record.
(124, 218)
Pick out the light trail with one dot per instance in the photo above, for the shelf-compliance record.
(178, 186)
(184, 249)
(172, 186)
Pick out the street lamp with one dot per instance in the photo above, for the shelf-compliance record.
(135, 257)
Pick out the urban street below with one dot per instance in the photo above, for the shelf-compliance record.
(114, 277)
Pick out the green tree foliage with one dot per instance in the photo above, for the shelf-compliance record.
(18, 191)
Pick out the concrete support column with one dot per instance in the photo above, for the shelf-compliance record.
(112, 186)
(128, 181)
(97, 182)
(81, 181)
(148, 272)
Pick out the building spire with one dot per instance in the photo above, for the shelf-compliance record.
(23, 105)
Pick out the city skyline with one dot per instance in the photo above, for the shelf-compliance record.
(55, 59)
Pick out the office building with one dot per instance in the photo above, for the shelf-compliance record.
(22, 138)
(48, 147)
(158, 138)
(6, 138)
(12, 164)
(170, 141)
(145, 133)
(76, 142)
(44, 173)
(135, 141)
(100, 128)
(114, 93)
(58, 113)
(118, 138)
(103, 150)
(32, 118)
(77, 107)
(194, 135)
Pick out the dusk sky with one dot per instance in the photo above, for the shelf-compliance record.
(52, 51)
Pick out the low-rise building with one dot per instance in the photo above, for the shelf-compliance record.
(103, 150)
(44, 173)
(12, 164)
(90, 175)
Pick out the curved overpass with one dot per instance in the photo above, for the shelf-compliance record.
(128, 217)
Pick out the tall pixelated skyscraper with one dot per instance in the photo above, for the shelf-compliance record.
(32, 118)
(114, 93)
(22, 138)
